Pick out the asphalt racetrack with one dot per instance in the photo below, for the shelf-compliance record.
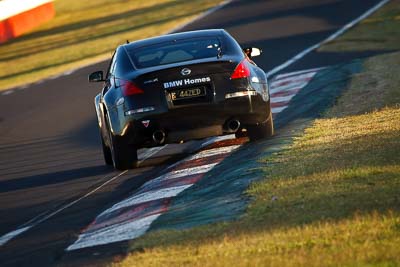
(52, 175)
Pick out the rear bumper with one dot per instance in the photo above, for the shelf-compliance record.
(194, 122)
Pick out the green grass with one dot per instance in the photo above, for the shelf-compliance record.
(330, 199)
(369, 240)
(376, 87)
(84, 32)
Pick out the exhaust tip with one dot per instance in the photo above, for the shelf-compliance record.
(233, 125)
(159, 137)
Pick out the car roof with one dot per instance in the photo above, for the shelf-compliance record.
(175, 36)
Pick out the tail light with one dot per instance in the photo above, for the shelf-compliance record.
(129, 88)
(242, 70)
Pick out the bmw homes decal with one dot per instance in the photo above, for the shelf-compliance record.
(185, 82)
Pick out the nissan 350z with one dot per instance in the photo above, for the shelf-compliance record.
(179, 87)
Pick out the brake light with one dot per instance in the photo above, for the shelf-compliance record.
(242, 70)
(129, 88)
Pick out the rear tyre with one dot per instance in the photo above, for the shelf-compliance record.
(261, 131)
(106, 152)
(124, 156)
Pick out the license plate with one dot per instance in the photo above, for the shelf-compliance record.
(187, 93)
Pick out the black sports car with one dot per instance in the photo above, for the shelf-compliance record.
(179, 87)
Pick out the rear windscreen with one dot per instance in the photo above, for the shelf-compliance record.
(175, 51)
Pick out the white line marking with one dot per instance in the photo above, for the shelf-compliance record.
(292, 91)
(280, 99)
(150, 152)
(69, 72)
(185, 172)
(133, 229)
(330, 38)
(7, 237)
(289, 84)
(143, 197)
(9, 92)
(293, 79)
(207, 142)
(54, 77)
(20, 230)
(277, 110)
(287, 91)
(147, 196)
(124, 231)
(82, 197)
(23, 87)
(294, 73)
(292, 86)
(213, 152)
(286, 86)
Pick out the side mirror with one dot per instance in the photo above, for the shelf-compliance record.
(96, 76)
(252, 51)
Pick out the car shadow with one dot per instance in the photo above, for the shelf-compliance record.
(53, 178)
